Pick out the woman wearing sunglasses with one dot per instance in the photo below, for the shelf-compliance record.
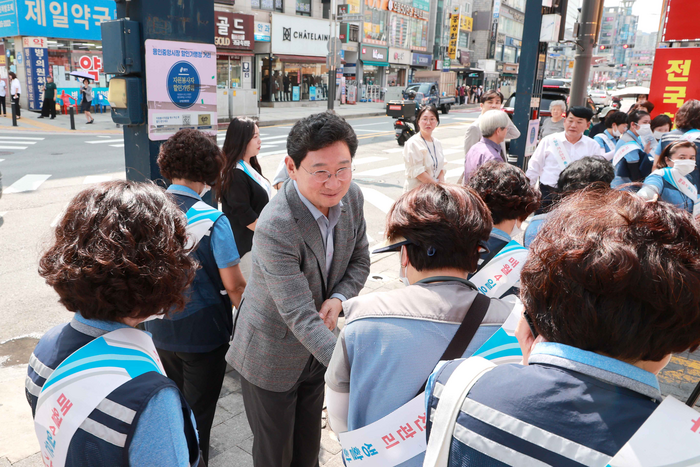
(393, 340)
(422, 153)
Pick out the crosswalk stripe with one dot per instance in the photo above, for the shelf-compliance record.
(266, 146)
(393, 150)
(2, 160)
(96, 179)
(117, 145)
(447, 152)
(368, 160)
(19, 142)
(2, 213)
(101, 141)
(273, 153)
(22, 138)
(29, 182)
(377, 199)
(58, 217)
(381, 171)
(454, 172)
(14, 147)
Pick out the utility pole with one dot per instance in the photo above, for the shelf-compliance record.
(586, 39)
(333, 55)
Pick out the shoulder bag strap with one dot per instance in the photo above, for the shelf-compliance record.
(464, 335)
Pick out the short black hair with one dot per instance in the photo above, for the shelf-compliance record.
(319, 131)
(427, 108)
(584, 172)
(580, 112)
(636, 115)
(617, 118)
(661, 120)
(491, 94)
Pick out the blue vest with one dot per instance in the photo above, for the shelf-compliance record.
(635, 166)
(207, 320)
(100, 447)
(672, 137)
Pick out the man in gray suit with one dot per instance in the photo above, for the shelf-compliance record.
(310, 253)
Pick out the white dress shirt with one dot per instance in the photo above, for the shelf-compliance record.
(543, 163)
(3, 88)
(15, 87)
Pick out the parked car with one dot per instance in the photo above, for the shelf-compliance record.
(600, 97)
(552, 90)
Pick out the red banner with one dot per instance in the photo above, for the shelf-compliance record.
(681, 21)
(675, 79)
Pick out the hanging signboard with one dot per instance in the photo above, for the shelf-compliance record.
(675, 79)
(454, 35)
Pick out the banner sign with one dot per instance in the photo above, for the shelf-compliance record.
(36, 65)
(679, 24)
(181, 87)
(234, 31)
(454, 35)
(67, 19)
(533, 130)
(8, 19)
(675, 79)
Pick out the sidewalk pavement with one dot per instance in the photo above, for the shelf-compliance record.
(269, 116)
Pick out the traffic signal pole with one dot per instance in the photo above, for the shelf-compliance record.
(589, 27)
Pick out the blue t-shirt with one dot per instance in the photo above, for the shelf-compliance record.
(635, 165)
(671, 194)
(599, 139)
(533, 228)
(159, 437)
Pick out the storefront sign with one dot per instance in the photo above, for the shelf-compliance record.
(181, 87)
(464, 57)
(34, 42)
(680, 26)
(510, 68)
(401, 56)
(377, 4)
(408, 10)
(8, 18)
(513, 42)
(454, 35)
(421, 4)
(67, 19)
(295, 35)
(374, 55)
(233, 31)
(675, 79)
(37, 69)
(421, 59)
(466, 23)
(90, 63)
(262, 31)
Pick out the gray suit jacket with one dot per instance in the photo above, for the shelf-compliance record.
(278, 326)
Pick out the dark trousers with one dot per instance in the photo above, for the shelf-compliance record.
(15, 102)
(199, 377)
(49, 106)
(3, 105)
(287, 425)
(549, 196)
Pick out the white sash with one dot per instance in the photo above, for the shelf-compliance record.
(560, 154)
(682, 184)
(83, 380)
(607, 141)
(389, 441)
(502, 272)
(259, 179)
(691, 135)
(200, 218)
(624, 150)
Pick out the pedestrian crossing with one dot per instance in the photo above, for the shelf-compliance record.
(30, 182)
(112, 142)
(17, 143)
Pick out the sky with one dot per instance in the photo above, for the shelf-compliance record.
(649, 12)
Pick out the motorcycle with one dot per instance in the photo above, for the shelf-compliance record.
(404, 112)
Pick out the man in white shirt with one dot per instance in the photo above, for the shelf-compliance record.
(556, 151)
(3, 94)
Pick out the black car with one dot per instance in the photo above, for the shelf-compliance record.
(552, 90)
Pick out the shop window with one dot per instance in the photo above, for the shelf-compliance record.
(375, 26)
(354, 33)
(270, 5)
(303, 7)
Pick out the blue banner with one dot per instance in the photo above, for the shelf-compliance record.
(67, 19)
(8, 18)
(36, 64)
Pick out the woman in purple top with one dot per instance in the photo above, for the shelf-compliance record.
(493, 125)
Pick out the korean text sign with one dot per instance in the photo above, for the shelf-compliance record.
(68, 19)
(675, 79)
(8, 18)
(181, 87)
(36, 61)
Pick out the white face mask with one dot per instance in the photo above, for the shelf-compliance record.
(205, 190)
(615, 133)
(517, 230)
(644, 130)
(684, 166)
(402, 270)
(658, 134)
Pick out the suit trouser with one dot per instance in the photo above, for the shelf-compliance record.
(3, 105)
(49, 107)
(287, 425)
(199, 377)
(15, 102)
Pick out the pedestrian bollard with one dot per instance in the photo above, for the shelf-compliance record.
(72, 118)
(14, 112)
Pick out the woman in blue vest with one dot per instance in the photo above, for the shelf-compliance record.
(511, 199)
(673, 181)
(243, 191)
(615, 126)
(392, 340)
(611, 290)
(98, 393)
(632, 161)
(687, 123)
(193, 343)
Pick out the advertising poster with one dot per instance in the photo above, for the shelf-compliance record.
(181, 87)
(533, 130)
(36, 65)
(675, 79)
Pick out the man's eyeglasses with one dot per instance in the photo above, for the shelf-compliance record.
(322, 176)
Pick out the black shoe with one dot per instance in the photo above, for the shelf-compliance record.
(41, 116)
(52, 118)
(90, 122)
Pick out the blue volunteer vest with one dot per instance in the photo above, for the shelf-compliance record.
(207, 320)
(114, 421)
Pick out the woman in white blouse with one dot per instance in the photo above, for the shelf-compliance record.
(422, 153)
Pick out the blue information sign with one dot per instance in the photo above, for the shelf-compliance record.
(67, 19)
(183, 84)
(8, 18)
(312, 93)
(295, 93)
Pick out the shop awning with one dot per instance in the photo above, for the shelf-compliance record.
(233, 53)
(370, 62)
(300, 59)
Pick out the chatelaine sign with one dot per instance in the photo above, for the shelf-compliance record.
(233, 31)
(299, 36)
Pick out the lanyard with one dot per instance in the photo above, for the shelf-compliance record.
(433, 156)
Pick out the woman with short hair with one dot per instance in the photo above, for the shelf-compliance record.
(98, 393)
(392, 340)
(555, 123)
(422, 153)
(611, 290)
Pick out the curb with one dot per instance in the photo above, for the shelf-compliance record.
(269, 123)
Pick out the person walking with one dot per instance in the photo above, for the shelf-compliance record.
(243, 190)
(3, 96)
(422, 153)
(192, 344)
(15, 92)
(49, 106)
(118, 257)
(310, 254)
(86, 104)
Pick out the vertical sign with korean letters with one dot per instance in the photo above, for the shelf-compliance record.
(69, 19)
(181, 87)
(36, 65)
(675, 79)
(454, 35)
(234, 31)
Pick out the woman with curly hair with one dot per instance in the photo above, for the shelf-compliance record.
(98, 392)
(243, 190)
(192, 344)
(511, 199)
